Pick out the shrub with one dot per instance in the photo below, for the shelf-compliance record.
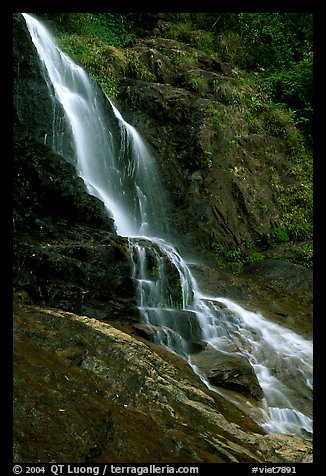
(279, 235)
(254, 257)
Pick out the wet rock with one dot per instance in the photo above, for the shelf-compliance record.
(279, 290)
(292, 449)
(66, 251)
(229, 370)
(33, 108)
(146, 331)
(83, 389)
(47, 185)
(99, 285)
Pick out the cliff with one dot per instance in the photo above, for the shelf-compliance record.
(89, 384)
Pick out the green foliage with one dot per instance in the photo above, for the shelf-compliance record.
(181, 29)
(218, 255)
(100, 60)
(155, 272)
(234, 49)
(108, 27)
(91, 40)
(295, 201)
(292, 87)
(178, 302)
(211, 22)
(275, 40)
(256, 103)
(298, 226)
(225, 169)
(278, 46)
(279, 235)
(237, 97)
(234, 259)
(261, 207)
(197, 84)
(206, 161)
(136, 68)
(304, 254)
(276, 121)
(254, 258)
(234, 255)
(215, 116)
(183, 59)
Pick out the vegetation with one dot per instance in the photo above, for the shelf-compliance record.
(272, 53)
(235, 259)
(278, 47)
(94, 40)
(107, 27)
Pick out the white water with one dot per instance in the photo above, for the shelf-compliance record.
(119, 172)
(118, 168)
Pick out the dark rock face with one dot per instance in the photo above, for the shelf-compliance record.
(230, 371)
(216, 167)
(281, 291)
(46, 185)
(217, 188)
(66, 251)
(33, 111)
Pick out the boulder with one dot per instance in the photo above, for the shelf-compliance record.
(229, 370)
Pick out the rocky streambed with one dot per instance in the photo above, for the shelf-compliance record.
(85, 391)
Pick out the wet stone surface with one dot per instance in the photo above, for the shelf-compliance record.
(86, 392)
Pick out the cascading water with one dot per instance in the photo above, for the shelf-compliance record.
(122, 173)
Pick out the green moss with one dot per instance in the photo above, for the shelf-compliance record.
(206, 161)
(155, 272)
(107, 27)
(218, 255)
(279, 235)
(262, 208)
(105, 63)
(184, 31)
(254, 258)
(197, 84)
(136, 69)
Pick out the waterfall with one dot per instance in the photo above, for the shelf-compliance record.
(120, 173)
(118, 168)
